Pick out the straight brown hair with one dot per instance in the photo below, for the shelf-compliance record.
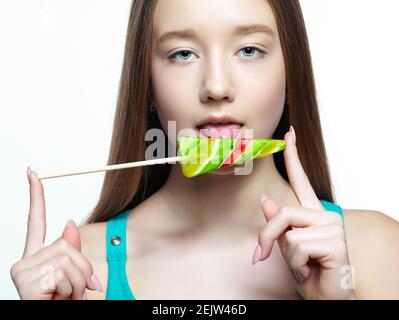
(125, 189)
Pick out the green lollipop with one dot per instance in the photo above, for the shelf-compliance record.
(202, 155)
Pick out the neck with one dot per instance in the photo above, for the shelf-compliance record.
(213, 200)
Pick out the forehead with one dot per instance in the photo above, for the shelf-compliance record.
(208, 17)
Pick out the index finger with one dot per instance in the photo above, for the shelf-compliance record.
(297, 176)
(285, 219)
(36, 227)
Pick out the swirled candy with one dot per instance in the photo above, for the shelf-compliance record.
(202, 155)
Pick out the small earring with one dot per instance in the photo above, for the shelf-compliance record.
(152, 108)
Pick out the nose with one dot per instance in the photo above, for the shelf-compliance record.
(217, 85)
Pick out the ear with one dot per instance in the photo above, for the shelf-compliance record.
(72, 235)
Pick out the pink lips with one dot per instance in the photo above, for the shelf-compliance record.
(225, 130)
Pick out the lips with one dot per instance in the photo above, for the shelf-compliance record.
(222, 126)
(225, 130)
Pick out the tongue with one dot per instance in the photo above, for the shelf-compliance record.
(228, 130)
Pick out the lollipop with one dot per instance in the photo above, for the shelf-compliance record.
(200, 155)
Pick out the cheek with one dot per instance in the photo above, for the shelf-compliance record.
(265, 94)
(171, 93)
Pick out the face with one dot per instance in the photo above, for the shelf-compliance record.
(214, 62)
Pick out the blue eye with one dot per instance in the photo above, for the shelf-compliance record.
(186, 54)
(252, 49)
(183, 53)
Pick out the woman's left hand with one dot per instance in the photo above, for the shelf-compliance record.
(311, 239)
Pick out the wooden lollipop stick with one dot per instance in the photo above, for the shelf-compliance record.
(113, 167)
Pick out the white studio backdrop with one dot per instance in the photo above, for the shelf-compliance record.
(60, 65)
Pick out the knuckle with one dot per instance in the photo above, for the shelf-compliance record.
(88, 268)
(14, 270)
(294, 264)
(300, 248)
(18, 279)
(65, 259)
(60, 275)
(290, 237)
(24, 279)
(80, 286)
(264, 236)
(284, 213)
(63, 244)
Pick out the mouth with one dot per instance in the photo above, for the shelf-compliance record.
(219, 127)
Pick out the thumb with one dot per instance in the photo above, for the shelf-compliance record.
(71, 234)
(269, 207)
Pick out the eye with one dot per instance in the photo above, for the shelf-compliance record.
(249, 50)
(182, 53)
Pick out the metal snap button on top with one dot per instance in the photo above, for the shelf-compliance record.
(116, 240)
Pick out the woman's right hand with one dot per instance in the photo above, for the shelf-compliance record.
(58, 271)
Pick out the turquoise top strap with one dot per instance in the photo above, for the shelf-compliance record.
(118, 285)
(329, 206)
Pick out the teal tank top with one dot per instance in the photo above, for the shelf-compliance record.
(118, 286)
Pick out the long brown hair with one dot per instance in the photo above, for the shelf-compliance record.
(125, 189)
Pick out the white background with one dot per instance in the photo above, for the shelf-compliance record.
(60, 64)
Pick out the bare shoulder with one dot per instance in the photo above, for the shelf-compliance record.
(373, 247)
(362, 217)
(93, 247)
(93, 240)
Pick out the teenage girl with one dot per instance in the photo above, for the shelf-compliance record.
(275, 233)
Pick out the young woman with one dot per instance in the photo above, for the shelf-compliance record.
(155, 234)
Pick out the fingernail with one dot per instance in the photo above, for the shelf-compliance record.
(257, 254)
(28, 173)
(32, 175)
(96, 283)
(292, 135)
(70, 223)
(84, 297)
(263, 197)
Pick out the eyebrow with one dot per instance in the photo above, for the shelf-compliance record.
(240, 30)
